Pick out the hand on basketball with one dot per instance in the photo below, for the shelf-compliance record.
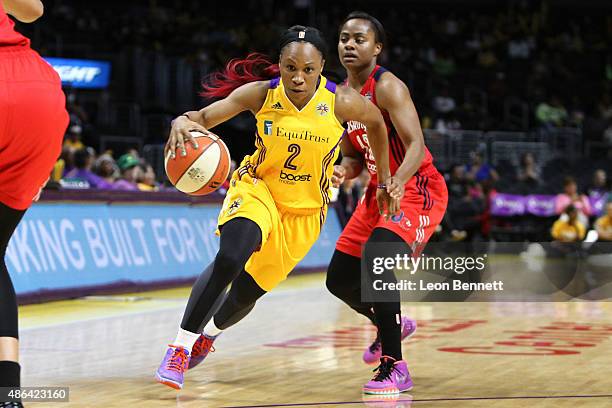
(338, 176)
(180, 134)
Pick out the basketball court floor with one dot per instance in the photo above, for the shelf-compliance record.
(301, 347)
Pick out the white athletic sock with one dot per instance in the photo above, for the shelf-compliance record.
(211, 330)
(185, 339)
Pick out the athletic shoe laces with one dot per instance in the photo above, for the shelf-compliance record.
(201, 345)
(178, 360)
(385, 369)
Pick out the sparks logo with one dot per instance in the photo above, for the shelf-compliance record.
(277, 106)
(234, 206)
(267, 127)
(322, 109)
(368, 95)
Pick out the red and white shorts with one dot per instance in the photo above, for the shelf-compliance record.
(33, 120)
(421, 211)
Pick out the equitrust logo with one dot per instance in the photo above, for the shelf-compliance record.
(300, 134)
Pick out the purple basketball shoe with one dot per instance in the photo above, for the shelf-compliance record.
(392, 377)
(172, 369)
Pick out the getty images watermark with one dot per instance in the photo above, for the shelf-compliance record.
(486, 271)
(411, 264)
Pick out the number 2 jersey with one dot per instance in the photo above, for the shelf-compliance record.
(357, 134)
(296, 148)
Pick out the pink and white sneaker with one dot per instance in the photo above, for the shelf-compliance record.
(373, 353)
(392, 377)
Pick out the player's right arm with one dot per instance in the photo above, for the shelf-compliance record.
(26, 11)
(351, 165)
(249, 97)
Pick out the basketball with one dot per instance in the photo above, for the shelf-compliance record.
(202, 170)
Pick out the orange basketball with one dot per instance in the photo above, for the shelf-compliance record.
(202, 170)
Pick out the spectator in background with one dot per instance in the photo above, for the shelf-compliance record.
(603, 225)
(551, 114)
(599, 185)
(83, 162)
(604, 107)
(130, 173)
(480, 171)
(571, 197)
(456, 182)
(72, 140)
(529, 172)
(106, 168)
(64, 164)
(444, 64)
(443, 103)
(147, 181)
(568, 228)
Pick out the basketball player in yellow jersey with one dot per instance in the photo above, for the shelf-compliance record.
(278, 197)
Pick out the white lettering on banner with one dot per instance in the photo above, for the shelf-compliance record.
(189, 237)
(176, 245)
(138, 260)
(41, 255)
(207, 234)
(139, 224)
(98, 252)
(11, 255)
(71, 73)
(20, 238)
(116, 254)
(51, 243)
(118, 236)
(77, 261)
(116, 225)
(156, 224)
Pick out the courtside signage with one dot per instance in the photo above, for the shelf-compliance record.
(79, 73)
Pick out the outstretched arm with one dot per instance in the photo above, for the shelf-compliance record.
(247, 97)
(26, 11)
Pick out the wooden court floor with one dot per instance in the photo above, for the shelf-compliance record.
(301, 347)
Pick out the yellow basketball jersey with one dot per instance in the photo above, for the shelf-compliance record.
(296, 149)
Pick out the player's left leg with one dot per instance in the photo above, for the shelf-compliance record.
(239, 302)
(9, 343)
(392, 374)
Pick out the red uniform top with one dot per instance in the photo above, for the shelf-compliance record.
(358, 137)
(8, 35)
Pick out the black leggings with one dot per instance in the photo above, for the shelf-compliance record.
(344, 281)
(240, 237)
(9, 219)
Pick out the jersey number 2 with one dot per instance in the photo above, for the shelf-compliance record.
(295, 150)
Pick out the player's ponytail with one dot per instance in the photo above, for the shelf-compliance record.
(255, 67)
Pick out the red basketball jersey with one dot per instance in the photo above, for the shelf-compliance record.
(358, 137)
(8, 35)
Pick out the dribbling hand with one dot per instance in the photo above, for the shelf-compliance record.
(180, 134)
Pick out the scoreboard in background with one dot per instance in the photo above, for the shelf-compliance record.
(79, 73)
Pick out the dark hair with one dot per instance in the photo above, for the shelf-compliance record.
(379, 31)
(80, 157)
(568, 180)
(299, 33)
(570, 209)
(256, 66)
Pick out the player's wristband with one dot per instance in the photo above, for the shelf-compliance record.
(381, 186)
